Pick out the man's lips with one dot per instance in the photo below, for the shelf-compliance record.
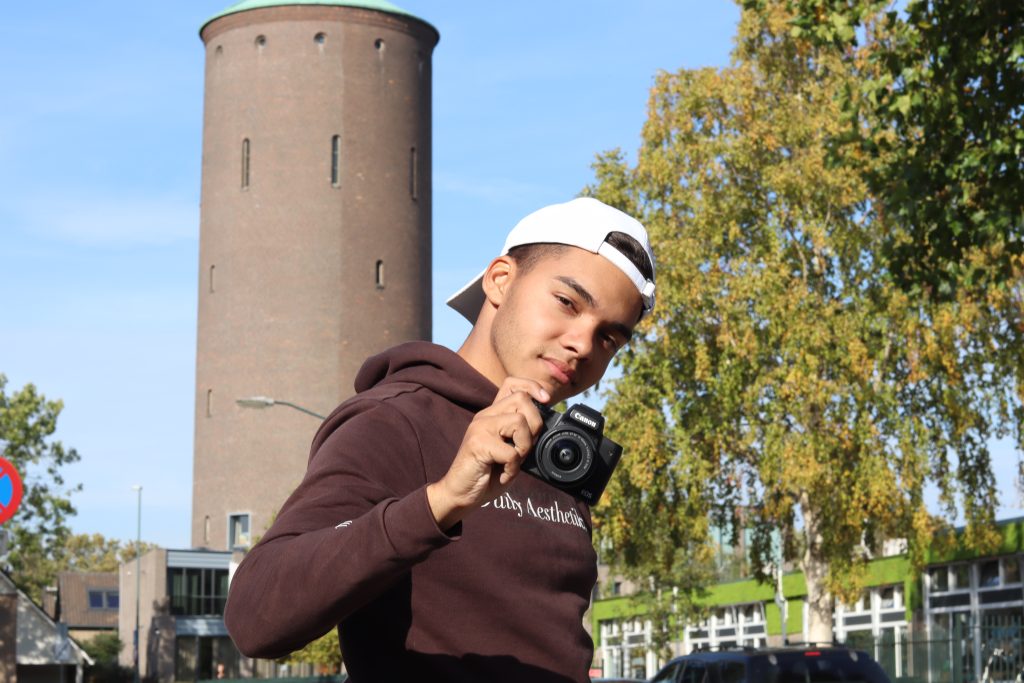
(562, 373)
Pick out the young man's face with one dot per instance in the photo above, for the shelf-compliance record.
(561, 322)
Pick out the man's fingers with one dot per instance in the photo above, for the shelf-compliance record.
(520, 402)
(517, 431)
(510, 471)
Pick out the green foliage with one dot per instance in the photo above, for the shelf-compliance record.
(787, 383)
(95, 553)
(324, 652)
(38, 530)
(935, 122)
(104, 649)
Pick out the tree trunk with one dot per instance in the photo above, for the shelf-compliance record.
(815, 568)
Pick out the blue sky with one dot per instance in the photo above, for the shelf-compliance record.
(100, 139)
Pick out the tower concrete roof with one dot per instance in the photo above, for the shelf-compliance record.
(378, 5)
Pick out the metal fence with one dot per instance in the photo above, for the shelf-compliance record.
(956, 649)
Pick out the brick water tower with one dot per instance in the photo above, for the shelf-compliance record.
(315, 234)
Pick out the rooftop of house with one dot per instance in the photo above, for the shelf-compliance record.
(88, 600)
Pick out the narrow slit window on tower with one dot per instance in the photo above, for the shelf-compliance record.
(206, 529)
(413, 175)
(212, 269)
(245, 164)
(336, 161)
(380, 274)
(209, 402)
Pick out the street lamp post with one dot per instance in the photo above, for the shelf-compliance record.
(138, 574)
(266, 402)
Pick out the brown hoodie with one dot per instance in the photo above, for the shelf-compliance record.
(500, 597)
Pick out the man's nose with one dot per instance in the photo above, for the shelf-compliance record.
(579, 339)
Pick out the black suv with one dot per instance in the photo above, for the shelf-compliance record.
(774, 665)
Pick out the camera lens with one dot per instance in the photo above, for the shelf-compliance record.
(566, 454)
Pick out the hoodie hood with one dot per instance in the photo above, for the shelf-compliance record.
(434, 367)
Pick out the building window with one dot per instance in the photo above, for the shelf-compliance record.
(413, 175)
(320, 38)
(261, 41)
(336, 161)
(103, 600)
(245, 164)
(961, 577)
(206, 529)
(209, 403)
(939, 579)
(238, 531)
(1011, 570)
(380, 275)
(197, 592)
(212, 268)
(379, 44)
(988, 574)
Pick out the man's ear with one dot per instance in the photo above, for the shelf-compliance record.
(498, 278)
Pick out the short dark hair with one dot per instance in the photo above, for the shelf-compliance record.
(526, 256)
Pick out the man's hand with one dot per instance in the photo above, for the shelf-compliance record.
(496, 442)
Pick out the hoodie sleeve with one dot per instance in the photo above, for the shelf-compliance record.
(358, 521)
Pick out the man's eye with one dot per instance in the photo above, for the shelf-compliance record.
(564, 301)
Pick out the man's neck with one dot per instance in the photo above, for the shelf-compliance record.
(477, 351)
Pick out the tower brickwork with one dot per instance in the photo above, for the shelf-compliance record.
(315, 235)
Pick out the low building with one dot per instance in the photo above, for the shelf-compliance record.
(87, 603)
(960, 619)
(33, 647)
(181, 612)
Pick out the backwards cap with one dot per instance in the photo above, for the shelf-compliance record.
(585, 223)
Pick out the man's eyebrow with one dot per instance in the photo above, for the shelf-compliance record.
(578, 288)
(625, 330)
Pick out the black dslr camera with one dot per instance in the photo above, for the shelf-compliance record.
(571, 453)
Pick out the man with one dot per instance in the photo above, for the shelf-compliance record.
(413, 531)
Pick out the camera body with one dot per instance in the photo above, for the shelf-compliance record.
(571, 452)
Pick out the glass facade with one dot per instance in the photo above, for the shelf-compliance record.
(197, 592)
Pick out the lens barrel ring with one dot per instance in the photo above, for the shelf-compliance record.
(551, 464)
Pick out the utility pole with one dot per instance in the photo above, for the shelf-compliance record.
(138, 575)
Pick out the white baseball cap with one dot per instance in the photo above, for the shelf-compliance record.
(583, 222)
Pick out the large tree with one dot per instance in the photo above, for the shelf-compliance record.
(785, 379)
(96, 553)
(324, 653)
(39, 529)
(938, 109)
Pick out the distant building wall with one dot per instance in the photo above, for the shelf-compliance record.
(153, 584)
(8, 636)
